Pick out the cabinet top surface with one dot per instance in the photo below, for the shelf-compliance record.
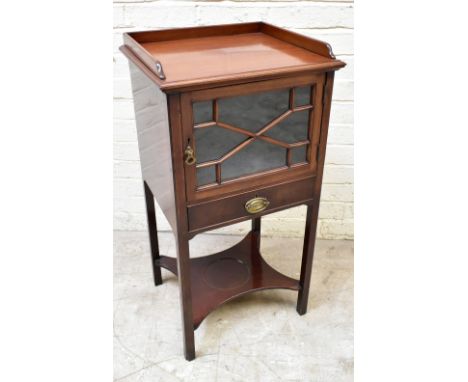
(192, 56)
(227, 55)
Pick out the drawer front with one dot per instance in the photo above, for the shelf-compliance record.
(236, 208)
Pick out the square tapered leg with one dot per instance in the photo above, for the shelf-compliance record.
(307, 257)
(185, 287)
(256, 229)
(153, 234)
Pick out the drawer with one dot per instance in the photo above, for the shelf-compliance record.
(232, 209)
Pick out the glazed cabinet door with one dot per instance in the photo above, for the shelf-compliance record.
(244, 136)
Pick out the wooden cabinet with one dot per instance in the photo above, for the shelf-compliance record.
(232, 124)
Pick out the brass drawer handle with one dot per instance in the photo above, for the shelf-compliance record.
(257, 205)
(189, 156)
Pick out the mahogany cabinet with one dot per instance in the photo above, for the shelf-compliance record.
(232, 125)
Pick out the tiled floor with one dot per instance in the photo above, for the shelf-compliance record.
(258, 337)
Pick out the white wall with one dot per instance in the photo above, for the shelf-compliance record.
(326, 20)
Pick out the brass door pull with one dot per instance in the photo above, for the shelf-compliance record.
(256, 205)
(189, 156)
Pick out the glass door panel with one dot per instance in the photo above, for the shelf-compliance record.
(243, 135)
(259, 156)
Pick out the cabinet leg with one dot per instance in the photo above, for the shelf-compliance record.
(307, 257)
(185, 286)
(256, 229)
(153, 234)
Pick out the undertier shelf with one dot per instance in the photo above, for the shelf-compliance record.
(223, 276)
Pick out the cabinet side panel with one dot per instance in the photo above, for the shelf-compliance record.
(152, 123)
